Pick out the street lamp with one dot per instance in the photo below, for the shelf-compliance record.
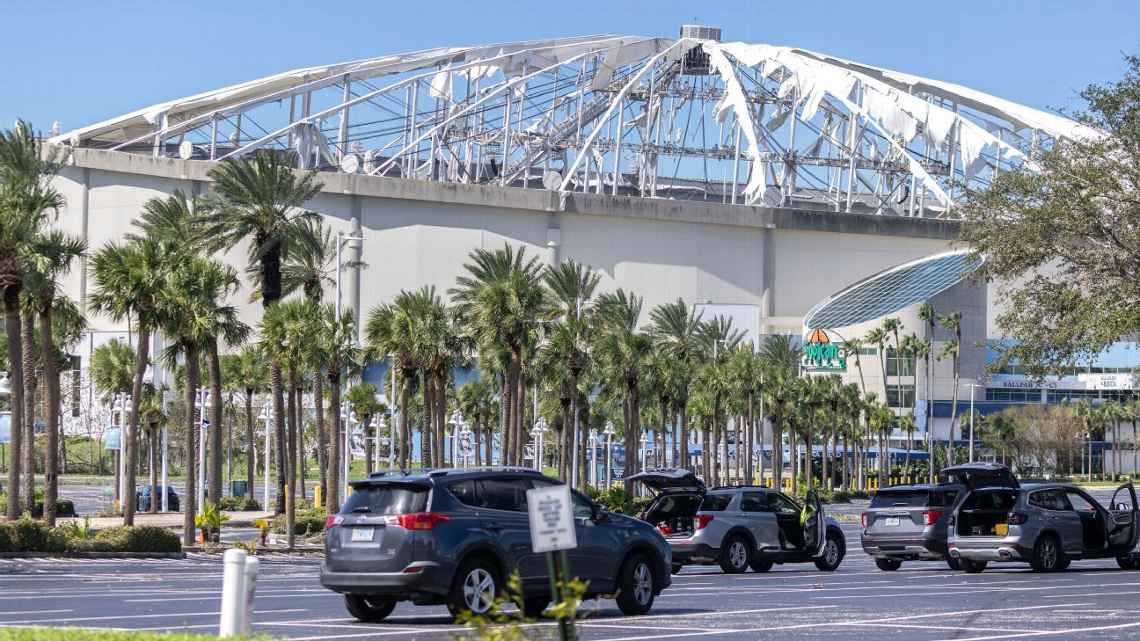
(118, 409)
(539, 434)
(348, 418)
(609, 432)
(973, 386)
(594, 456)
(204, 400)
(456, 423)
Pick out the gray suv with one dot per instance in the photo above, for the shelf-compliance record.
(909, 523)
(1047, 525)
(454, 536)
(739, 527)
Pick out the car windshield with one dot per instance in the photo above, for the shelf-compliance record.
(901, 498)
(386, 499)
(715, 503)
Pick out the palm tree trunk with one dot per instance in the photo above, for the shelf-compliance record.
(324, 455)
(51, 416)
(217, 417)
(189, 505)
(405, 428)
(369, 435)
(332, 502)
(440, 390)
(302, 466)
(504, 417)
(426, 440)
(950, 455)
(16, 380)
(152, 507)
(516, 408)
(251, 445)
(684, 463)
(28, 345)
(130, 440)
(277, 390)
(291, 461)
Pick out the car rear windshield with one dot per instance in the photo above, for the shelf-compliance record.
(901, 498)
(715, 503)
(386, 499)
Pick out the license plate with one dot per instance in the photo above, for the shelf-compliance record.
(362, 534)
(1001, 529)
(891, 521)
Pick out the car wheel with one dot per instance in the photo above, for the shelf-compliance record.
(676, 568)
(369, 609)
(888, 565)
(833, 551)
(734, 555)
(760, 565)
(972, 567)
(635, 585)
(474, 588)
(953, 563)
(1047, 554)
(1127, 563)
(534, 606)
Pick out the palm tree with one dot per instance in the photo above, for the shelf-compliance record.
(571, 287)
(28, 201)
(222, 326)
(259, 199)
(476, 400)
(675, 331)
(362, 399)
(953, 348)
(51, 255)
(622, 351)
(252, 377)
(341, 356)
(390, 331)
(928, 315)
(500, 301)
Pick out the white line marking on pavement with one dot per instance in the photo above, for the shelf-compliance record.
(14, 612)
(151, 616)
(1047, 633)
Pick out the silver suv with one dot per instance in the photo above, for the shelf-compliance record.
(739, 526)
(1047, 525)
(908, 523)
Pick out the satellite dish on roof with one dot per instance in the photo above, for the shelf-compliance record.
(185, 150)
(552, 180)
(350, 163)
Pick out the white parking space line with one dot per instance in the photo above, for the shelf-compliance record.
(1048, 633)
(349, 636)
(149, 616)
(20, 612)
(935, 627)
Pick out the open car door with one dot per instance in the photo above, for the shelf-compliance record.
(814, 524)
(1123, 527)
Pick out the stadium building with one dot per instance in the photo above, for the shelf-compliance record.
(787, 189)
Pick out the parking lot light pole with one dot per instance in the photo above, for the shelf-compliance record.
(973, 386)
(267, 416)
(609, 432)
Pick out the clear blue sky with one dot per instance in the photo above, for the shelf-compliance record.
(80, 61)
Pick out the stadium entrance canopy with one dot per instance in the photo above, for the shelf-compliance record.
(891, 290)
(688, 118)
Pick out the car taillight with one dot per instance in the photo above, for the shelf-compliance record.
(929, 517)
(1017, 518)
(865, 519)
(333, 519)
(421, 520)
(664, 528)
(701, 521)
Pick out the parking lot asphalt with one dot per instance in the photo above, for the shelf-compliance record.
(920, 602)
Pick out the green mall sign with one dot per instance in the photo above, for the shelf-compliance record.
(819, 353)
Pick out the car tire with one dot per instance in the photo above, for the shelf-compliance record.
(833, 553)
(369, 609)
(953, 564)
(760, 565)
(972, 567)
(635, 585)
(734, 555)
(1127, 563)
(1047, 554)
(888, 565)
(474, 588)
(534, 606)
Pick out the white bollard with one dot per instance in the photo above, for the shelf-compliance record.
(233, 593)
(251, 567)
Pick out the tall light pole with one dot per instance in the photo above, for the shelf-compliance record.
(204, 401)
(973, 386)
(609, 432)
(348, 418)
(267, 416)
(594, 457)
(539, 434)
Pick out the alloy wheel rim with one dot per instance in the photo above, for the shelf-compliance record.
(642, 583)
(737, 555)
(478, 590)
(1048, 553)
(831, 552)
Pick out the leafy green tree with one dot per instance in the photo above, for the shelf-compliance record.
(28, 201)
(622, 350)
(337, 338)
(675, 330)
(1066, 238)
(362, 399)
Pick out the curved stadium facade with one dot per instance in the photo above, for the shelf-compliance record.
(751, 180)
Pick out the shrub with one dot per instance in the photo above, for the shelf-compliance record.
(63, 507)
(614, 499)
(239, 503)
(7, 541)
(138, 538)
(28, 535)
(307, 522)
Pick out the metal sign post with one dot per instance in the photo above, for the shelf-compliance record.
(552, 531)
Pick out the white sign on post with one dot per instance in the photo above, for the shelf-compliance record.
(551, 518)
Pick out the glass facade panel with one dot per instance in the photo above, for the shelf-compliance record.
(899, 366)
(1013, 395)
(907, 396)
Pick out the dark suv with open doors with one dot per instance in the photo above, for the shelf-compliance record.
(454, 536)
(739, 527)
(1047, 525)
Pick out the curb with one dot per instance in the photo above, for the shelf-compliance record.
(93, 555)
